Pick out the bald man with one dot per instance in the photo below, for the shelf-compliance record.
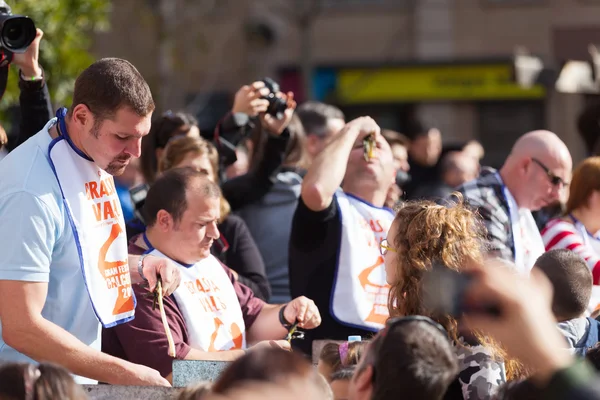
(535, 174)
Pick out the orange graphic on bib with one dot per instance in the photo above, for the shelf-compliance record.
(379, 313)
(235, 332)
(116, 274)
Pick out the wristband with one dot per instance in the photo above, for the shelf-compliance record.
(141, 266)
(282, 319)
(31, 78)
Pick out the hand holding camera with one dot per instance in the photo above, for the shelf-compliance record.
(17, 32)
(280, 110)
(28, 61)
(249, 99)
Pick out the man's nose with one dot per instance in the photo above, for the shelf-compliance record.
(134, 148)
(213, 231)
(556, 191)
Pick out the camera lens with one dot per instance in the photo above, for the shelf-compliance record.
(18, 33)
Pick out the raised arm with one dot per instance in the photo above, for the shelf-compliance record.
(326, 173)
(34, 98)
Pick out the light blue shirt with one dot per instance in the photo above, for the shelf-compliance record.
(37, 243)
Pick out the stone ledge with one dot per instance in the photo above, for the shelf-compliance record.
(111, 392)
(189, 372)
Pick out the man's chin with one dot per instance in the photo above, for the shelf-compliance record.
(117, 169)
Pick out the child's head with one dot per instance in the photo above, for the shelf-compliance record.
(340, 382)
(335, 357)
(571, 280)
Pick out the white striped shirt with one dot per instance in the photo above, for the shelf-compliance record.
(561, 234)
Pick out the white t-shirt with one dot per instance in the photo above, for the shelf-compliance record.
(37, 244)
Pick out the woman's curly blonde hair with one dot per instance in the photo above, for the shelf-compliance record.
(451, 235)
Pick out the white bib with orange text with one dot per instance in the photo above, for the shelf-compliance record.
(95, 215)
(211, 309)
(360, 290)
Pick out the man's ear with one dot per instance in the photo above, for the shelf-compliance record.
(311, 145)
(364, 379)
(164, 221)
(81, 115)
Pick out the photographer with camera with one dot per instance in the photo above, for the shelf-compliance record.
(263, 110)
(20, 46)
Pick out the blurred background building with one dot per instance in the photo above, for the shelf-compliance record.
(446, 61)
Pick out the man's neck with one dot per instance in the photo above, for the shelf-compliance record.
(155, 241)
(376, 198)
(508, 182)
(73, 133)
(160, 243)
(589, 219)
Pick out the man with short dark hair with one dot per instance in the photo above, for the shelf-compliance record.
(424, 153)
(572, 283)
(65, 265)
(321, 121)
(411, 358)
(211, 315)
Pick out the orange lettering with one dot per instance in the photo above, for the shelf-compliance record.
(116, 208)
(376, 226)
(87, 190)
(199, 286)
(111, 184)
(205, 304)
(97, 211)
(377, 315)
(103, 191)
(108, 211)
(124, 303)
(190, 287)
(93, 190)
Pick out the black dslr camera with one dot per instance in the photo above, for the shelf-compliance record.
(16, 33)
(277, 106)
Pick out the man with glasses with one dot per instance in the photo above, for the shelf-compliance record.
(534, 175)
(334, 254)
(412, 358)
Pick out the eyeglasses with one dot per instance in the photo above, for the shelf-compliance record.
(384, 247)
(554, 180)
(392, 324)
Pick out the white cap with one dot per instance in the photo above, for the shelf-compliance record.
(354, 338)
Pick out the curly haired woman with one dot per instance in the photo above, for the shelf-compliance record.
(422, 232)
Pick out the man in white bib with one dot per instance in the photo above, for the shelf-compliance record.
(534, 175)
(336, 233)
(211, 316)
(65, 268)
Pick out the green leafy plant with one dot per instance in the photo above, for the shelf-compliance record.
(69, 26)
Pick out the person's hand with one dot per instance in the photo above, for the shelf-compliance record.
(28, 61)
(159, 266)
(304, 311)
(140, 375)
(277, 126)
(362, 126)
(248, 99)
(235, 274)
(526, 325)
(277, 344)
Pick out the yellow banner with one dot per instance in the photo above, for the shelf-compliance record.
(452, 82)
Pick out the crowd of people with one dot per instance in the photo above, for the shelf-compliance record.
(430, 276)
